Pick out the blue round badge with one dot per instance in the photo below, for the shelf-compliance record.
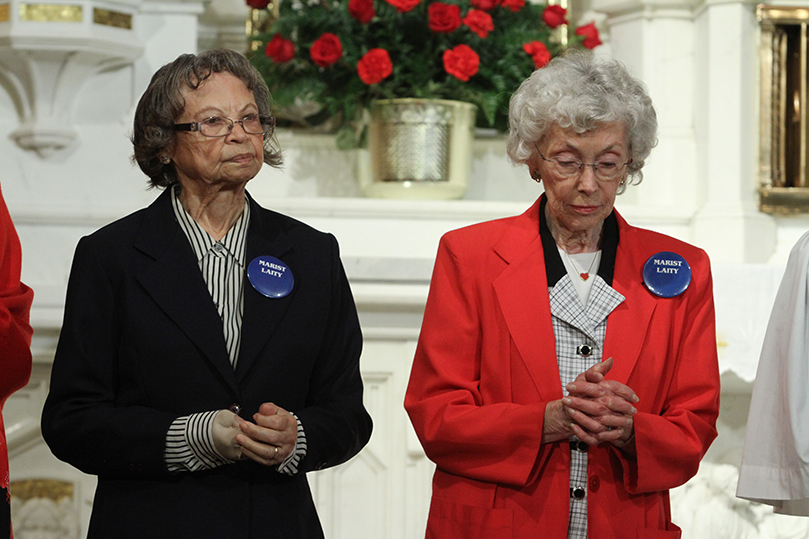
(270, 276)
(666, 274)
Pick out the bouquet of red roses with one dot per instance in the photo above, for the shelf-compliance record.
(328, 59)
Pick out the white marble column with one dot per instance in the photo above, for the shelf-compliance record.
(726, 66)
(699, 62)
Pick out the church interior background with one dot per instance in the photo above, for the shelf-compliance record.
(66, 110)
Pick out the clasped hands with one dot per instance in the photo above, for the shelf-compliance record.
(595, 410)
(268, 441)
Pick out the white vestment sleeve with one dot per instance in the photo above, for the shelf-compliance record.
(775, 459)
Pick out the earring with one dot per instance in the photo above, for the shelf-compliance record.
(535, 175)
(165, 159)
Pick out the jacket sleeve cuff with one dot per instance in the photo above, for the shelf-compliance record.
(190, 446)
(293, 460)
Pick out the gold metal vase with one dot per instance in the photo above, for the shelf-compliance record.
(418, 149)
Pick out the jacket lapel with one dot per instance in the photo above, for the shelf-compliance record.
(262, 315)
(172, 278)
(628, 323)
(522, 291)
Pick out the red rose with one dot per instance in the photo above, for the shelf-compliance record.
(485, 5)
(538, 52)
(590, 34)
(403, 6)
(362, 10)
(444, 18)
(479, 22)
(279, 49)
(554, 16)
(326, 50)
(374, 66)
(258, 4)
(514, 5)
(461, 62)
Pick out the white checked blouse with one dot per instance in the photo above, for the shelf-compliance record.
(579, 328)
(580, 334)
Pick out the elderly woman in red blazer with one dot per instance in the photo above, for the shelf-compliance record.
(15, 342)
(566, 374)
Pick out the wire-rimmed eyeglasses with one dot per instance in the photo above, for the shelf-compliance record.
(219, 126)
(604, 170)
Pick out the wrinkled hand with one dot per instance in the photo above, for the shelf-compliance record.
(271, 438)
(225, 431)
(600, 410)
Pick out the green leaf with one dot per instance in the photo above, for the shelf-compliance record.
(346, 138)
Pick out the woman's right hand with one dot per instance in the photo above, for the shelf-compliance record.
(595, 410)
(602, 410)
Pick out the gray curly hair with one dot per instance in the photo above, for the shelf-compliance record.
(582, 91)
(162, 103)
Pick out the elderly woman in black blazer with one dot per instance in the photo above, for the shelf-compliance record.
(209, 355)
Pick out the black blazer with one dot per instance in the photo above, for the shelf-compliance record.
(142, 344)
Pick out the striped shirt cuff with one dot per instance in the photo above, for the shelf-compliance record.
(293, 460)
(190, 445)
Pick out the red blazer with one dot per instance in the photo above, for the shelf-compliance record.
(15, 335)
(486, 367)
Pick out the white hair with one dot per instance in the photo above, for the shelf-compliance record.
(582, 91)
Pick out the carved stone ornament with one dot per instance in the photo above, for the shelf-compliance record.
(48, 52)
(44, 509)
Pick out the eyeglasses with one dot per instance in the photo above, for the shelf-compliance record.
(604, 170)
(219, 126)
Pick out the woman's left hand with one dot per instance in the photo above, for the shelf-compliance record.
(271, 438)
(602, 409)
